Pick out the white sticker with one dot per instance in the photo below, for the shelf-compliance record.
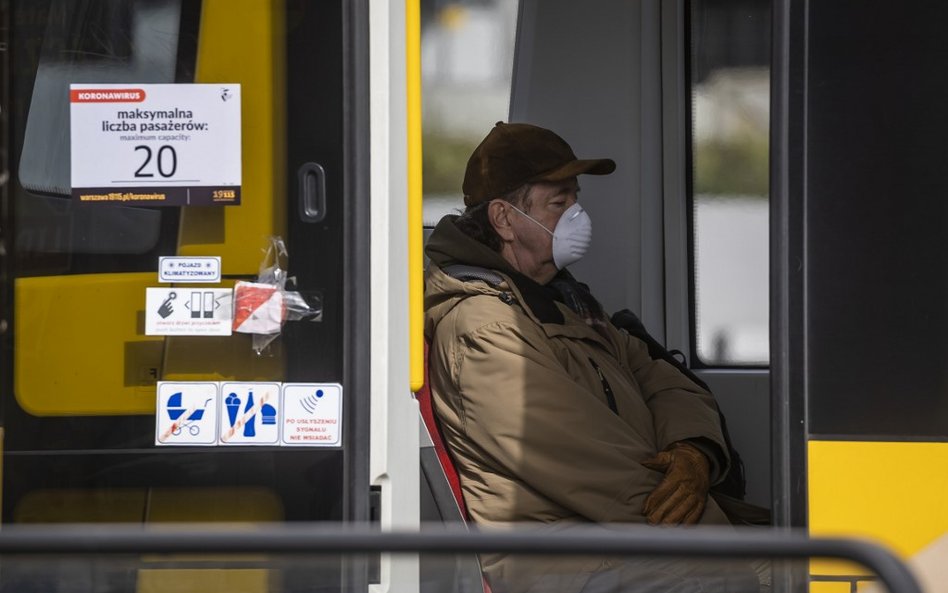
(155, 144)
(189, 269)
(250, 413)
(312, 414)
(186, 413)
(188, 311)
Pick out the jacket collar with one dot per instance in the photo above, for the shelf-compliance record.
(448, 247)
(553, 316)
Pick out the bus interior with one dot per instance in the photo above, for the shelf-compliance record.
(773, 218)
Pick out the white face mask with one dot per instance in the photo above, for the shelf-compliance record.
(571, 237)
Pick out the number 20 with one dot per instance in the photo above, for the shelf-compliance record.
(160, 161)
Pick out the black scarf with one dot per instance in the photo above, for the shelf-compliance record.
(576, 296)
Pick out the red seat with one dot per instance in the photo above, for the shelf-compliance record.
(434, 430)
(444, 457)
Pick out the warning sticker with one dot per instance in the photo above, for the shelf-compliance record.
(312, 414)
(258, 308)
(251, 414)
(186, 413)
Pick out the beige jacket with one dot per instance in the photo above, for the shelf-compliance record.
(525, 414)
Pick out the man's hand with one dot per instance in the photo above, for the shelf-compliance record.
(682, 495)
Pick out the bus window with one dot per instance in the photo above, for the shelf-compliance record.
(89, 41)
(730, 119)
(79, 401)
(467, 63)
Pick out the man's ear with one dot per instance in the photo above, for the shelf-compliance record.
(498, 215)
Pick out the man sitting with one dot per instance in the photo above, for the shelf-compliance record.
(553, 415)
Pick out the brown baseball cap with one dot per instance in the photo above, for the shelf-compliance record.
(515, 153)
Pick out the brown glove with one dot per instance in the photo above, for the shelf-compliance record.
(682, 495)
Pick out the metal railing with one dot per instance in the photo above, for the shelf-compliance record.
(308, 538)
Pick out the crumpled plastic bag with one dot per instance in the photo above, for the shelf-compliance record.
(262, 307)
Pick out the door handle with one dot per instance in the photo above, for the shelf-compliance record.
(312, 192)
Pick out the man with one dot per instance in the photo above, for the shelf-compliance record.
(552, 414)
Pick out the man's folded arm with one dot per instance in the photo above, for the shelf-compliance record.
(682, 410)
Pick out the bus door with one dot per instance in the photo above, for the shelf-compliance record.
(859, 259)
(80, 399)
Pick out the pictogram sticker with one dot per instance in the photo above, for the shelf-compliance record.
(312, 414)
(250, 413)
(188, 311)
(186, 413)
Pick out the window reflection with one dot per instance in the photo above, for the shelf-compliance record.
(96, 41)
(730, 111)
(467, 51)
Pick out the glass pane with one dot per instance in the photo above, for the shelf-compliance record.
(872, 217)
(79, 414)
(730, 111)
(467, 61)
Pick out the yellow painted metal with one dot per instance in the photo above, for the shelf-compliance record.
(240, 506)
(220, 358)
(891, 492)
(114, 372)
(156, 505)
(239, 233)
(822, 567)
(196, 505)
(415, 220)
(80, 347)
(244, 42)
(202, 580)
(119, 505)
(823, 587)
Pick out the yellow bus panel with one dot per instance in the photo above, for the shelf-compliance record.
(80, 345)
(244, 42)
(892, 492)
(82, 350)
(153, 505)
(202, 580)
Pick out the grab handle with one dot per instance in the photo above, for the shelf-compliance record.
(312, 192)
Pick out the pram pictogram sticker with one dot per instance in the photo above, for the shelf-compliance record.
(250, 413)
(186, 413)
(312, 414)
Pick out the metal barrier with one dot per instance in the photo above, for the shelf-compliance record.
(334, 539)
